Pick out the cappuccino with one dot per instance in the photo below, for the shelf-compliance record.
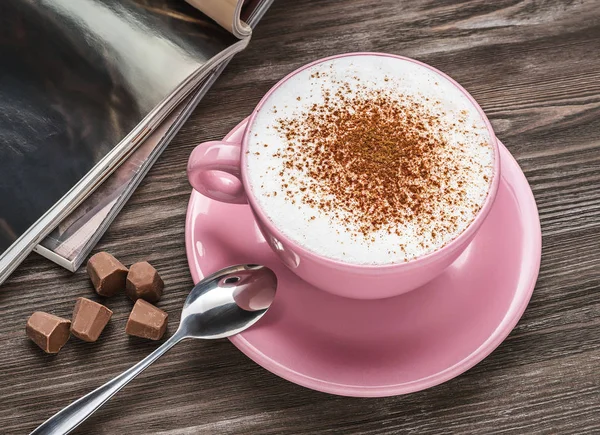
(369, 159)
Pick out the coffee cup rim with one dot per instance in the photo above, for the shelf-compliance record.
(392, 267)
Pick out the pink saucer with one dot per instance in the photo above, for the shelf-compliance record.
(386, 347)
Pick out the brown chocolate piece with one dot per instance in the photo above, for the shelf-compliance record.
(143, 282)
(107, 274)
(89, 319)
(146, 321)
(49, 332)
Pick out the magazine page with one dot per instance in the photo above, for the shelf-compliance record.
(75, 228)
(71, 241)
(83, 83)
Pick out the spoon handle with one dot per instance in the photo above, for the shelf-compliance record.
(73, 415)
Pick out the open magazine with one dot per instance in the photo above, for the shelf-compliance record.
(70, 242)
(91, 86)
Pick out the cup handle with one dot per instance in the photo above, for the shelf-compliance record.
(214, 171)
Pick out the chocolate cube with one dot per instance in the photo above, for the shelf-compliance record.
(143, 282)
(146, 321)
(107, 274)
(89, 319)
(49, 332)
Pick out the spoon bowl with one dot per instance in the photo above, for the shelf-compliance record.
(227, 302)
(221, 305)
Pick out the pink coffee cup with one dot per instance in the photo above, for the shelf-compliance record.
(218, 170)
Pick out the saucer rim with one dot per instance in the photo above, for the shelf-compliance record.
(517, 307)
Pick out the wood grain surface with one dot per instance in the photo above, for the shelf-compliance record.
(534, 66)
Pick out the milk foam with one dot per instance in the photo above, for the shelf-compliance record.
(318, 231)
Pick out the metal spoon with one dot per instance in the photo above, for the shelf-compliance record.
(221, 305)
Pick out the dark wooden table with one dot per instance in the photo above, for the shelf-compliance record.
(535, 69)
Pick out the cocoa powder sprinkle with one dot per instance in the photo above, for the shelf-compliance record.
(373, 161)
